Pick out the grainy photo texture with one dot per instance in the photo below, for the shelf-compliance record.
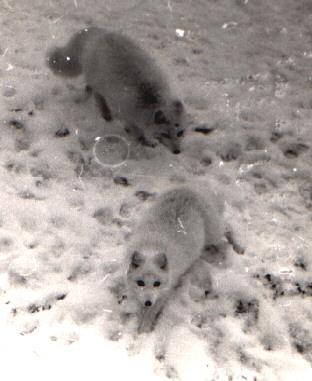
(156, 190)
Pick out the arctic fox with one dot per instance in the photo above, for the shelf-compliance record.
(166, 244)
(126, 83)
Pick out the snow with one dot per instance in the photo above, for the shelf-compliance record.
(243, 69)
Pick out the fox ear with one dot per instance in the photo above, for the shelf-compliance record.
(160, 118)
(136, 260)
(161, 261)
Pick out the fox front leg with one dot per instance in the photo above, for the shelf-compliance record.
(150, 316)
(200, 284)
(230, 236)
(104, 109)
(138, 135)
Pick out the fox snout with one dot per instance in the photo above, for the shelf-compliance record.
(176, 151)
(171, 139)
(148, 299)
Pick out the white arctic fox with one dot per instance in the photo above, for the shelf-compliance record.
(126, 82)
(166, 244)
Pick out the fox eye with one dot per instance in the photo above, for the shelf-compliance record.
(180, 133)
(165, 135)
(140, 283)
(156, 284)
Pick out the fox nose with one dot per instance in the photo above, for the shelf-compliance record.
(148, 303)
(176, 151)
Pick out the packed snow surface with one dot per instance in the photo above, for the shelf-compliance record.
(243, 70)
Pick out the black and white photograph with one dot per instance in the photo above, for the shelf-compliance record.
(156, 190)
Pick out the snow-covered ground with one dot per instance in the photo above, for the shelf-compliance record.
(243, 69)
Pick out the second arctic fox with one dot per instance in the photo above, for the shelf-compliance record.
(126, 83)
(166, 244)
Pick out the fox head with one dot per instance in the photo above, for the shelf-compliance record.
(167, 118)
(169, 125)
(148, 276)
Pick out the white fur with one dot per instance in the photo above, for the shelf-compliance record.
(178, 225)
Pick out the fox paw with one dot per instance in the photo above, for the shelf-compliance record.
(146, 143)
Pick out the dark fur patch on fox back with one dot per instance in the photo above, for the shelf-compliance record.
(147, 94)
